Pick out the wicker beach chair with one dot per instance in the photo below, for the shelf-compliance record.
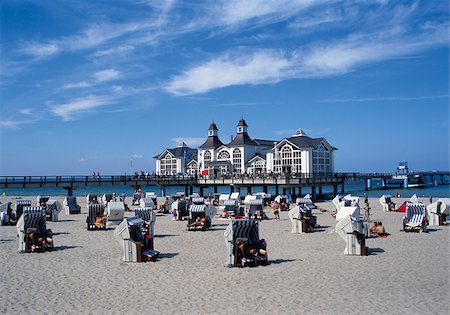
(20, 204)
(137, 244)
(244, 232)
(256, 207)
(71, 206)
(6, 214)
(96, 219)
(438, 211)
(198, 218)
(148, 215)
(232, 207)
(52, 210)
(415, 218)
(302, 219)
(33, 220)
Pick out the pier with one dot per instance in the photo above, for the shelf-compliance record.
(289, 184)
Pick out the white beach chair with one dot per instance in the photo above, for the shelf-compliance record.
(385, 202)
(302, 219)
(115, 213)
(414, 220)
(414, 199)
(137, 244)
(438, 211)
(52, 210)
(350, 231)
(71, 206)
(147, 203)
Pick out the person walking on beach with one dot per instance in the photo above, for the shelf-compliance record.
(276, 210)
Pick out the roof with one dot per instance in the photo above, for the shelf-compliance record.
(257, 155)
(307, 142)
(179, 152)
(242, 123)
(213, 142)
(213, 127)
(265, 143)
(242, 139)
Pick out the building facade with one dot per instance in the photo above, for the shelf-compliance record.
(244, 155)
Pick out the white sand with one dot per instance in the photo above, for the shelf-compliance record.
(309, 274)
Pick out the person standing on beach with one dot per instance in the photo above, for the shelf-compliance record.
(276, 210)
(367, 212)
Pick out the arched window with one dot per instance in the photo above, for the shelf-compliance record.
(286, 156)
(321, 161)
(168, 165)
(207, 156)
(237, 160)
(224, 155)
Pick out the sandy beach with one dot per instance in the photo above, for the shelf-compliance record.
(406, 273)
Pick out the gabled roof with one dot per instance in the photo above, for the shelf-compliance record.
(257, 156)
(213, 142)
(242, 139)
(180, 152)
(304, 142)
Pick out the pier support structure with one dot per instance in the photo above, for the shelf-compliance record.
(313, 192)
(368, 184)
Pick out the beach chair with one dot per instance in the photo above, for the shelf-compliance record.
(147, 203)
(115, 213)
(136, 199)
(256, 209)
(71, 206)
(33, 220)
(302, 219)
(351, 231)
(107, 198)
(91, 198)
(231, 207)
(96, 219)
(438, 211)
(415, 218)
(181, 209)
(42, 200)
(196, 200)
(148, 215)
(305, 201)
(198, 218)
(7, 216)
(20, 204)
(386, 202)
(52, 210)
(246, 233)
(137, 244)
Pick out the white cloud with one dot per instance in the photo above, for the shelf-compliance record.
(107, 75)
(13, 124)
(257, 68)
(137, 156)
(384, 99)
(81, 84)
(71, 110)
(42, 50)
(83, 160)
(26, 111)
(113, 51)
(190, 141)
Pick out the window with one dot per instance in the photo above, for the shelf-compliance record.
(288, 159)
(321, 161)
(192, 168)
(237, 161)
(168, 165)
(224, 155)
(207, 156)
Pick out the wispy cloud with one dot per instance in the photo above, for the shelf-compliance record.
(243, 104)
(137, 156)
(107, 75)
(190, 141)
(76, 85)
(14, 124)
(83, 160)
(26, 111)
(113, 51)
(384, 99)
(73, 109)
(232, 69)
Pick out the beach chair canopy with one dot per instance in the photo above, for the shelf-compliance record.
(90, 198)
(22, 202)
(347, 211)
(248, 229)
(95, 210)
(145, 214)
(229, 202)
(224, 197)
(34, 217)
(197, 200)
(346, 225)
(441, 205)
(235, 196)
(146, 202)
(414, 199)
(415, 213)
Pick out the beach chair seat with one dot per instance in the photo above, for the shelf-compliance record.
(71, 206)
(137, 243)
(33, 221)
(244, 234)
(96, 219)
(415, 219)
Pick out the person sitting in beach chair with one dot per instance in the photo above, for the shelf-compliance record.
(243, 244)
(198, 218)
(96, 219)
(32, 231)
(7, 215)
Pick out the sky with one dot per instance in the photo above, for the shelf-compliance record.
(107, 85)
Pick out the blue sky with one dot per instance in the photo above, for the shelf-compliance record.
(90, 85)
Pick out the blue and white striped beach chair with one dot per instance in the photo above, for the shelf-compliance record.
(198, 219)
(148, 215)
(238, 232)
(231, 207)
(96, 219)
(32, 218)
(414, 221)
(20, 204)
(256, 209)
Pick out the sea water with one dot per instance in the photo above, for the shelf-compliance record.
(356, 188)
